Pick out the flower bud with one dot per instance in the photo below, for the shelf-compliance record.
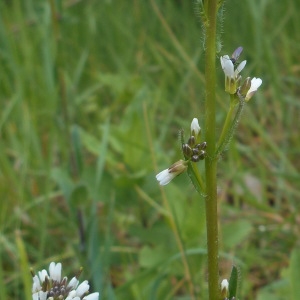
(245, 87)
(165, 176)
(191, 141)
(201, 146)
(201, 154)
(187, 150)
(195, 128)
(195, 158)
(224, 288)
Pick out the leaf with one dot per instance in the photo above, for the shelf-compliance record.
(233, 282)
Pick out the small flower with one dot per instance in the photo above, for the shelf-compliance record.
(195, 128)
(224, 288)
(232, 76)
(255, 84)
(165, 176)
(53, 286)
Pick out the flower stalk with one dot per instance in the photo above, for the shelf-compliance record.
(211, 161)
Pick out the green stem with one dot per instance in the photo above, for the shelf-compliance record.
(227, 122)
(198, 177)
(230, 126)
(210, 161)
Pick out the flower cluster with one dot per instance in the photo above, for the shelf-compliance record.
(233, 77)
(53, 287)
(193, 151)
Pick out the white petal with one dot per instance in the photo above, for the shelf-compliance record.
(164, 177)
(42, 275)
(55, 271)
(82, 288)
(255, 84)
(195, 127)
(240, 67)
(223, 59)
(93, 296)
(227, 66)
(36, 286)
(43, 295)
(72, 294)
(35, 296)
(73, 283)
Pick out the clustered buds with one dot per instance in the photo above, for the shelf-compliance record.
(233, 78)
(193, 151)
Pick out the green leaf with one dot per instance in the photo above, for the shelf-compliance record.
(233, 282)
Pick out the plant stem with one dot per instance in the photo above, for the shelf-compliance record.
(227, 122)
(211, 161)
(230, 126)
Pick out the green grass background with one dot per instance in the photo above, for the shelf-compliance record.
(93, 94)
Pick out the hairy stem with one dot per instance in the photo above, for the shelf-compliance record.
(211, 161)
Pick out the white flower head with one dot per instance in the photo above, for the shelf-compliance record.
(53, 286)
(165, 176)
(195, 128)
(255, 84)
(232, 76)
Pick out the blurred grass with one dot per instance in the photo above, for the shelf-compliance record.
(93, 94)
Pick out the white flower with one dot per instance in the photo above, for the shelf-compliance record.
(228, 66)
(232, 76)
(165, 176)
(53, 286)
(195, 128)
(255, 84)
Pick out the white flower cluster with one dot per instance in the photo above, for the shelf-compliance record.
(233, 79)
(52, 286)
(193, 151)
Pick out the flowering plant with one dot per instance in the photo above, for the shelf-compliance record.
(53, 287)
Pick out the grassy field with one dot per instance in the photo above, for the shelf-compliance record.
(93, 94)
